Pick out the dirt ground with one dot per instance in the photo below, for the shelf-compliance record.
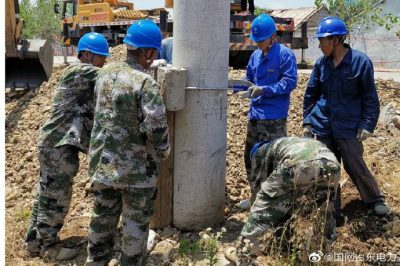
(362, 233)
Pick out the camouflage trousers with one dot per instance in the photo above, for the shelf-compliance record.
(262, 130)
(278, 192)
(136, 206)
(58, 166)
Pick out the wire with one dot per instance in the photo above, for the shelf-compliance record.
(391, 39)
(386, 62)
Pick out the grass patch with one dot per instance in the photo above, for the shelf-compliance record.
(22, 215)
(206, 247)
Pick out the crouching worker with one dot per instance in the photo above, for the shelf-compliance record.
(61, 138)
(282, 171)
(129, 137)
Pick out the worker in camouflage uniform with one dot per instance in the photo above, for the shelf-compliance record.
(273, 70)
(283, 170)
(129, 137)
(61, 138)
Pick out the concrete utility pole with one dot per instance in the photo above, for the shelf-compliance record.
(201, 45)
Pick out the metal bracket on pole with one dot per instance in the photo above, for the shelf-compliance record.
(172, 81)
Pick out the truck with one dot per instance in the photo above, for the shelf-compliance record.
(113, 17)
(29, 62)
(109, 17)
(241, 47)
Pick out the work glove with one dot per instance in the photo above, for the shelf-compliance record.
(252, 92)
(158, 63)
(363, 134)
(163, 154)
(256, 91)
(245, 94)
(307, 131)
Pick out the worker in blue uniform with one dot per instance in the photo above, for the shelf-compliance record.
(166, 49)
(273, 70)
(341, 107)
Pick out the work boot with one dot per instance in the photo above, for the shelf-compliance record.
(330, 226)
(32, 247)
(94, 263)
(330, 220)
(381, 208)
(32, 244)
(244, 205)
(338, 208)
(50, 252)
(252, 231)
(139, 260)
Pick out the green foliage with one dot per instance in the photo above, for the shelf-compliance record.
(210, 249)
(207, 246)
(367, 13)
(188, 251)
(40, 22)
(22, 215)
(258, 11)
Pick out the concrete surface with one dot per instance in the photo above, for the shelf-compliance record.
(200, 128)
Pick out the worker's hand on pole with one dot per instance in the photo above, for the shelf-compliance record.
(363, 134)
(307, 131)
(158, 63)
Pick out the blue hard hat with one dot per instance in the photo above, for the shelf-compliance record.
(144, 34)
(93, 42)
(262, 28)
(331, 26)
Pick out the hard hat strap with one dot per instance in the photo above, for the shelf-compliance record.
(91, 57)
(148, 59)
(334, 46)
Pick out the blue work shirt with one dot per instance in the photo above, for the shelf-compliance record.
(276, 73)
(340, 100)
(166, 50)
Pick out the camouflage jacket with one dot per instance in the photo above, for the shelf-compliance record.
(72, 112)
(130, 127)
(286, 153)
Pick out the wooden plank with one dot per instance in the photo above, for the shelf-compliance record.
(163, 204)
(10, 26)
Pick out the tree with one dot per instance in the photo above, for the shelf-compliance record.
(367, 13)
(25, 9)
(40, 22)
(259, 11)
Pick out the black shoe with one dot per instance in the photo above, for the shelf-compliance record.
(381, 208)
(339, 218)
(330, 226)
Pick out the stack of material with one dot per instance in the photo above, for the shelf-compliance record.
(122, 14)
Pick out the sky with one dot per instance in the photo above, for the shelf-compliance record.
(271, 4)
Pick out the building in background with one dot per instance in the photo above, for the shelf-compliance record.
(381, 45)
(311, 16)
